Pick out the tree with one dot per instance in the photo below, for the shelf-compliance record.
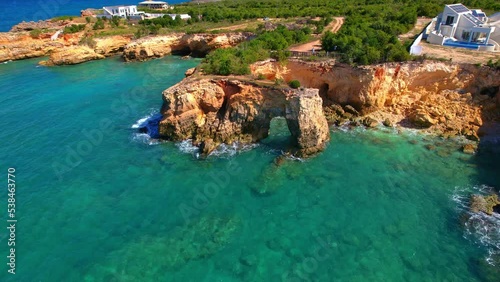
(294, 84)
(99, 24)
(115, 21)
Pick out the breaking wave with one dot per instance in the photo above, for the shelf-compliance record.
(222, 151)
(480, 228)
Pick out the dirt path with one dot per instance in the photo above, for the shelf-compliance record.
(334, 26)
(417, 29)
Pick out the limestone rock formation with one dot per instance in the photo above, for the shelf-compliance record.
(218, 111)
(306, 120)
(479, 203)
(151, 47)
(76, 54)
(444, 98)
(112, 45)
(195, 44)
(72, 55)
(19, 46)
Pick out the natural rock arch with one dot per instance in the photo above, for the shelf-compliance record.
(212, 112)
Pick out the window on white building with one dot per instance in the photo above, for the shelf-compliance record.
(450, 20)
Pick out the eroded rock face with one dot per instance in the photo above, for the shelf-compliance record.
(479, 203)
(76, 54)
(112, 45)
(443, 98)
(306, 120)
(195, 44)
(19, 46)
(72, 55)
(212, 112)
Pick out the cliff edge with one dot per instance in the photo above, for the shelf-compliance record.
(215, 111)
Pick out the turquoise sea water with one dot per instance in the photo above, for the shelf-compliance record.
(96, 201)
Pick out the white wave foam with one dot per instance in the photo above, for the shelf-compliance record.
(144, 138)
(187, 146)
(225, 150)
(480, 228)
(141, 122)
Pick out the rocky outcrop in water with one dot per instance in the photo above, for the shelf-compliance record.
(72, 56)
(76, 54)
(215, 111)
(444, 98)
(479, 203)
(194, 44)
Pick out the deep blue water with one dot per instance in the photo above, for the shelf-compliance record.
(15, 11)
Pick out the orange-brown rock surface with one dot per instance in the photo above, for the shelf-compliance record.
(215, 111)
(20, 45)
(72, 55)
(195, 44)
(76, 54)
(447, 98)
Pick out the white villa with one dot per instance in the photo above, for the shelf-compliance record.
(120, 11)
(459, 26)
(156, 5)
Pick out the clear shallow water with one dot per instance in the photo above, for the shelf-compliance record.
(99, 203)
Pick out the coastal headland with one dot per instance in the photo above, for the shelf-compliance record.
(436, 97)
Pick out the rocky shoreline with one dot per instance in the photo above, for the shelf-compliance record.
(69, 49)
(442, 99)
(439, 98)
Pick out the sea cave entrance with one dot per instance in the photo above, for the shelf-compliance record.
(280, 137)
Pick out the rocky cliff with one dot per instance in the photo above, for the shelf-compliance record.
(446, 98)
(76, 54)
(194, 44)
(68, 49)
(19, 46)
(215, 111)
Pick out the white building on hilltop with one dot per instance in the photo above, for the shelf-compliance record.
(120, 11)
(156, 5)
(458, 26)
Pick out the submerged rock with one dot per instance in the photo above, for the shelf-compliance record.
(200, 238)
(469, 148)
(369, 122)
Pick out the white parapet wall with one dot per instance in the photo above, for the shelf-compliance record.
(435, 38)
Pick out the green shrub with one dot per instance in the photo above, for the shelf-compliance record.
(495, 65)
(294, 84)
(62, 18)
(74, 28)
(99, 24)
(88, 19)
(237, 60)
(115, 21)
(35, 33)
